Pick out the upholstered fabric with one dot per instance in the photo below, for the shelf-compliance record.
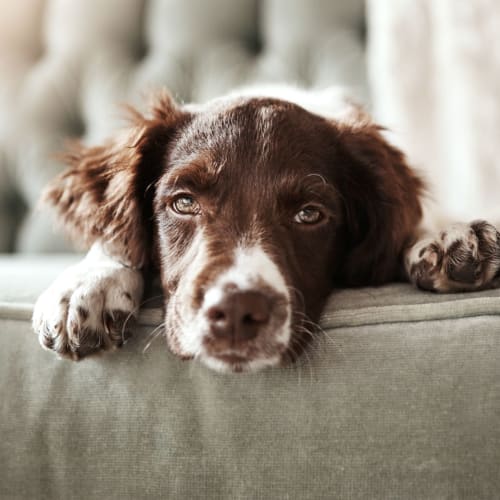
(64, 66)
(399, 398)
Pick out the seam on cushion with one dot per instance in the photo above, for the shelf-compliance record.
(406, 313)
(23, 311)
(16, 310)
(398, 321)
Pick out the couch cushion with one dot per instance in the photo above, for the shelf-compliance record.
(398, 398)
(23, 278)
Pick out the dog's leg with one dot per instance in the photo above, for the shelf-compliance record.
(89, 306)
(463, 257)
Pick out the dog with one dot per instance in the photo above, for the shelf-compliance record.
(251, 208)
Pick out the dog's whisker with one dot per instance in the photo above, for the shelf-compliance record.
(134, 313)
(302, 354)
(149, 299)
(153, 335)
(291, 356)
(297, 293)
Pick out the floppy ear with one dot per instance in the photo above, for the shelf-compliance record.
(381, 198)
(106, 193)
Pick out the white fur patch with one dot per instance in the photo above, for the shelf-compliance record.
(97, 285)
(252, 267)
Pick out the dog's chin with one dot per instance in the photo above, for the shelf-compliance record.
(229, 363)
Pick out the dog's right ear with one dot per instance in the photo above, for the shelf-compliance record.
(106, 193)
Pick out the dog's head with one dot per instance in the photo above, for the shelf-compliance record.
(252, 209)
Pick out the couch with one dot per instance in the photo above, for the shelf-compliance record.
(399, 396)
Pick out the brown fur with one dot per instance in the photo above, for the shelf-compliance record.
(382, 205)
(251, 164)
(106, 193)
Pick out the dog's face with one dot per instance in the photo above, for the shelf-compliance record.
(247, 214)
(252, 209)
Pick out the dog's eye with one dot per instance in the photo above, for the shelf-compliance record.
(308, 215)
(186, 205)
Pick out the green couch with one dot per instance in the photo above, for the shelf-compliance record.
(399, 398)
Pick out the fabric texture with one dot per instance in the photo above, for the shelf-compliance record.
(398, 398)
(65, 67)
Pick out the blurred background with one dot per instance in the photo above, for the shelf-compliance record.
(427, 69)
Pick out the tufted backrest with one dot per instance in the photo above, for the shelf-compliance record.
(65, 64)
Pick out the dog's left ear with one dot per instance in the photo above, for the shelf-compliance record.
(381, 199)
(106, 193)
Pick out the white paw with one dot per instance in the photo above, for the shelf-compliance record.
(463, 257)
(88, 308)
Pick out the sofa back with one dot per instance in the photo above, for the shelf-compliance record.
(65, 67)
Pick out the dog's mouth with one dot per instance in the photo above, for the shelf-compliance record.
(231, 355)
(232, 359)
(227, 354)
(230, 363)
(237, 363)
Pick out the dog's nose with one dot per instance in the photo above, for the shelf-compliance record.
(239, 315)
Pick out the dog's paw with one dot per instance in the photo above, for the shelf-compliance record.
(463, 257)
(87, 309)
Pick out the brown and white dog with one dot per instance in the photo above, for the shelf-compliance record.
(251, 208)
